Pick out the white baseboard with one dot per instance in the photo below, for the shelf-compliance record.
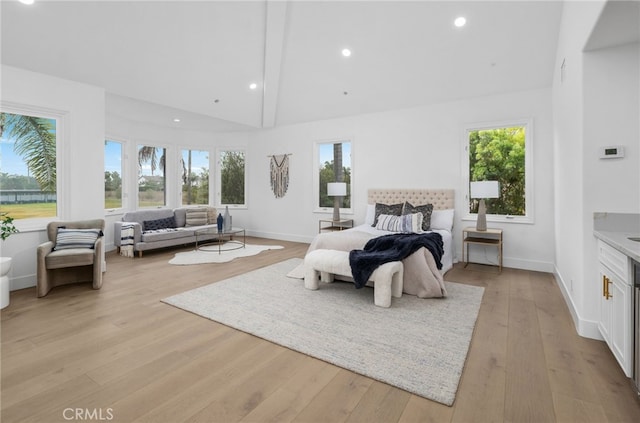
(585, 328)
(22, 282)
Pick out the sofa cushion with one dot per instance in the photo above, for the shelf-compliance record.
(164, 234)
(181, 216)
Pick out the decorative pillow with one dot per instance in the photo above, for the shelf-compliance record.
(425, 209)
(197, 217)
(405, 223)
(154, 225)
(442, 219)
(76, 238)
(212, 216)
(390, 209)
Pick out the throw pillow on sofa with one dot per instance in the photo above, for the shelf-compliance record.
(197, 217)
(157, 224)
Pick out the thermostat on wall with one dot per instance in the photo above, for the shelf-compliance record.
(612, 152)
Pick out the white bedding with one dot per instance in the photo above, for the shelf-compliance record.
(447, 258)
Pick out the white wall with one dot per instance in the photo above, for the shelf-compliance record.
(596, 104)
(611, 116)
(83, 156)
(412, 148)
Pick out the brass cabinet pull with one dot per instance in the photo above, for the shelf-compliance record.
(604, 286)
(608, 294)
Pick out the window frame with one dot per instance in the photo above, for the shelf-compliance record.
(124, 175)
(62, 139)
(316, 175)
(527, 123)
(218, 178)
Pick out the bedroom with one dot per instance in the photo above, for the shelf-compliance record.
(562, 212)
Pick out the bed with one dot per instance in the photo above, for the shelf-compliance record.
(422, 278)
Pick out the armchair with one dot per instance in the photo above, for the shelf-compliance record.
(72, 254)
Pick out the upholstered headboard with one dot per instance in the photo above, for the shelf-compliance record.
(440, 198)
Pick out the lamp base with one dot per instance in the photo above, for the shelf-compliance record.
(336, 209)
(481, 223)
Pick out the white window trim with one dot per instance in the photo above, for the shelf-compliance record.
(528, 218)
(124, 176)
(218, 178)
(316, 176)
(62, 182)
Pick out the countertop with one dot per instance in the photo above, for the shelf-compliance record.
(616, 228)
(619, 241)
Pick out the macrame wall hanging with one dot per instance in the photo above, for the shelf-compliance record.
(280, 174)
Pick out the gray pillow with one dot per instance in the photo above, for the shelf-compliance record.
(425, 209)
(390, 209)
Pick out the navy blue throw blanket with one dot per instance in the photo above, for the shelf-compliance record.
(393, 247)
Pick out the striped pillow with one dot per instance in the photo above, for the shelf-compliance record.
(76, 238)
(197, 216)
(405, 223)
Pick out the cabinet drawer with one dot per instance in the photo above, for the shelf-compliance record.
(614, 260)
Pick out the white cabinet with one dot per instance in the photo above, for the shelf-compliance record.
(615, 322)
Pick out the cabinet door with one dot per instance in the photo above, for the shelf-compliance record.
(604, 323)
(620, 329)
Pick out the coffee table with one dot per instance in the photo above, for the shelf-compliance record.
(224, 237)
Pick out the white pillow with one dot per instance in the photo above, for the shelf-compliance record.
(442, 219)
(405, 223)
(371, 214)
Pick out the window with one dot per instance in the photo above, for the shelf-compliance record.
(113, 174)
(152, 188)
(502, 152)
(195, 177)
(332, 164)
(231, 177)
(28, 165)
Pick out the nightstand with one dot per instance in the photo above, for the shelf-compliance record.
(334, 225)
(491, 237)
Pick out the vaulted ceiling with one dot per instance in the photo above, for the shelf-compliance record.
(195, 60)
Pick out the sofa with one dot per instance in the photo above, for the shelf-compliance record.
(144, 230)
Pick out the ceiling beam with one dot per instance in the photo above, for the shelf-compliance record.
(276, 18)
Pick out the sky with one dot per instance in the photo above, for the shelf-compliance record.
(10, 162)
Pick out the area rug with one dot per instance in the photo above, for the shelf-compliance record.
(419, 345)
(209, 254)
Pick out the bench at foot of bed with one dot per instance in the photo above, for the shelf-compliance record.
(387, 279)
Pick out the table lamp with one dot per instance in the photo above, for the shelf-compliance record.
(336, 190)
(482, 190)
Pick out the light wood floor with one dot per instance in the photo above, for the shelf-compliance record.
(124, 356)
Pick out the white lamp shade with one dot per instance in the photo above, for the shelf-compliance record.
(337, 189)
(485, 189)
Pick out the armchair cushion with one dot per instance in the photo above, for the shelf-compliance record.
(76, 238)
(70, 257)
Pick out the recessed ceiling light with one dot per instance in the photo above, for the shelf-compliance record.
(217, 100)
(26, 1)
(253, 86)
(176, 120)
(346, 52)
(460, 21)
